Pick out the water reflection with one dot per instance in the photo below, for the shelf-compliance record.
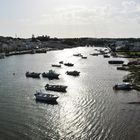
(90, 109)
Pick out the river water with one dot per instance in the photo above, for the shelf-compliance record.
(89, 110)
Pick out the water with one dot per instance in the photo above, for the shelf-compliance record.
(90, 110)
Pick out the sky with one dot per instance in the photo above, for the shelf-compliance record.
(70, 18)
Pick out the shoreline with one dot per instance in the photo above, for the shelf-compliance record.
(133, 66)
(35, 51)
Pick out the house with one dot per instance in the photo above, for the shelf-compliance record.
(136, 46)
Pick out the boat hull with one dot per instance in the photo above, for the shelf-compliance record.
(50, 76)
(123, 87)
(73, 73)
(45, 97)
(69, 64)
(57, 88)
(32, 75)
(115, 62)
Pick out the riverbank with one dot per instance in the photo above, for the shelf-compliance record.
(134, 76)
(33, 51)
(133, 67)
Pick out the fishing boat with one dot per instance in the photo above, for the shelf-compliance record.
(32, 74)
(40, 96)
(51, 75)
(41, 51)
(77, 54)
(61, 62)
(123, 86)
(83, 57)
(123, 68)
(94, 54)
(106, 56)
(102, 52)
(73, 73)
(55, 65)
(115, 62)
(69, 64)
(58, 88)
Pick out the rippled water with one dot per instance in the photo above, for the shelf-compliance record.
(90, 110)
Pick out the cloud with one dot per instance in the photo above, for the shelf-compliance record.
(77, 15)
(107, 20)
(130, 9)
(24, 20)
(85, 15)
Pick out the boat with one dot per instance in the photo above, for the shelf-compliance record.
(94, 54)
(102, 52)
(115, 62)
(55, 65)
(32, 74)
(51, 75)
(73, 73)
(41, 51)
(106, 56)
(123, 68)
(58, 88)
(45, 97)
(77, 54)
(61, 62)
(83, 57)
(123, 86)
(68, 64)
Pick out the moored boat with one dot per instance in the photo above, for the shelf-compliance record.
(51, 75)
(41, 51)
(123, 68)
(58, 88)
(40, 96)
(69, 64)
(102, 52)
(94, 54)
(83, 57)
(77, 54)
(123, 86)
(106, 56)
(73, 73)
(61, 62)
(55, 65)
(116, 62)
(32, 74)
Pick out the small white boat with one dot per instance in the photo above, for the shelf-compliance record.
(40, 96)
